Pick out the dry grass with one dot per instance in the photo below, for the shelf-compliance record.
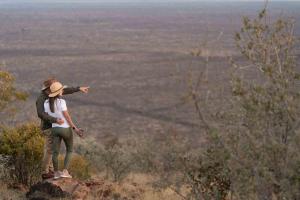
(134, 186)
(10, 194)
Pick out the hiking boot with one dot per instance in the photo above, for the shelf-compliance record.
(57, 175)
(47, 175)
(65, 174)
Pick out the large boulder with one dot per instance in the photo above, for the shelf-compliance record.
(61, 188)
(88, 190)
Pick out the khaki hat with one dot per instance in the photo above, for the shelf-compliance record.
(56, 88)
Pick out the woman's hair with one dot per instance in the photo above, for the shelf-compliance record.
(51, 103)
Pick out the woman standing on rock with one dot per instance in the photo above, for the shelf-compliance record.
(56, 107)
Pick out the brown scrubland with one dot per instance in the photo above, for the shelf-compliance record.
(184, 103)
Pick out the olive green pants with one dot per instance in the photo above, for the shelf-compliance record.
(66, 135)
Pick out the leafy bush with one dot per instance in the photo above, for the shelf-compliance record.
(21, 149)
(79, 167)
(208, 173)
(116, 160)
(266, 131)
(202, 171)
(112, 157)
(8, 92)
(258, 126)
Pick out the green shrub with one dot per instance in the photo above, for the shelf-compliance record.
(8, 92)
(207, 173)
(79, 167)
(264, 146)
(112, 156)
(117, 160)
(21, 149)
(258, 123)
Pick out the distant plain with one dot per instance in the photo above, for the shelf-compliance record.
(135, 57)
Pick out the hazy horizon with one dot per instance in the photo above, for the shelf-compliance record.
(141, 1)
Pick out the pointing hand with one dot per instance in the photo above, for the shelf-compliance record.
(84, 89)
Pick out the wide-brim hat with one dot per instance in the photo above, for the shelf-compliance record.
(56, 89)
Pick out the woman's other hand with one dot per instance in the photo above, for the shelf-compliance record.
(78, 131)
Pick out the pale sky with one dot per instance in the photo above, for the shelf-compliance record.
(82, 1)
(124, 1)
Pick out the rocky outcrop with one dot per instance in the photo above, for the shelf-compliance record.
(61, 188)
(83, 190)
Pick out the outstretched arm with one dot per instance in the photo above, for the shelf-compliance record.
(71, 90)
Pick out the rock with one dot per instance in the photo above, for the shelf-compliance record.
(77, 190)
(61, 188)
